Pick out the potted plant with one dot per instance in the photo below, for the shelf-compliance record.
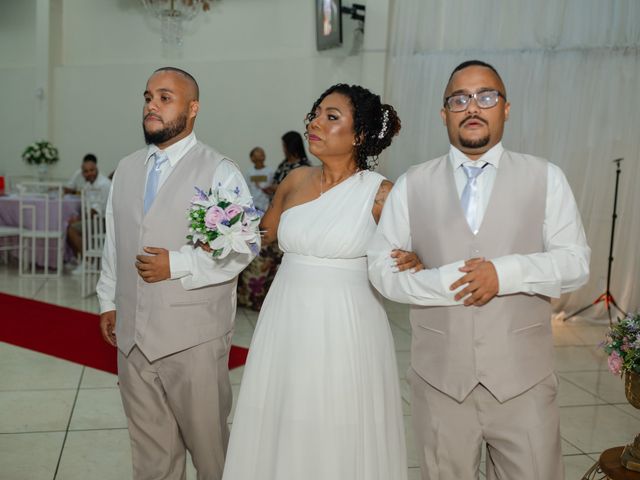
(42, 154)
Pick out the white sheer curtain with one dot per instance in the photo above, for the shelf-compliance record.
(572, 74)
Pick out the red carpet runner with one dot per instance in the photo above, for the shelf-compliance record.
(65, 333)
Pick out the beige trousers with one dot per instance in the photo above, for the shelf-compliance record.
(522, 435)
(177, 403)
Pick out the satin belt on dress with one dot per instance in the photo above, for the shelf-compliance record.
(358, 263)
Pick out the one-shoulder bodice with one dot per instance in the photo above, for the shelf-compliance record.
(338, 224)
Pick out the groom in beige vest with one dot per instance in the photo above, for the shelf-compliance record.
(169, 308)
(482, 367)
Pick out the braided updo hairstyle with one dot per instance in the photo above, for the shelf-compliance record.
(374, 124)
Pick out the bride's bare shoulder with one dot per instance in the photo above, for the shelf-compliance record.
(297, 177)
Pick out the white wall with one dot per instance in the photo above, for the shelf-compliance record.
(17, 80)
(255, 60)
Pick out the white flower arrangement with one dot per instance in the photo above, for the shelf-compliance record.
(41, 152)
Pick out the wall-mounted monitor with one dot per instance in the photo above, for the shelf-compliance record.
(328, 24)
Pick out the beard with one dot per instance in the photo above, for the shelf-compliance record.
(169, 131)
(475, 143)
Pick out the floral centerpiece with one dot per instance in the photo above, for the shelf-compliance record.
(39, 153)
(622, 344)
(224, 221)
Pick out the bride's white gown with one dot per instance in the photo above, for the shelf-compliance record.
(320, 398)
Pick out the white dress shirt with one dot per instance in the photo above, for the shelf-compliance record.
(98, 191)
(260, 199)
(193, 266)
(562, 267)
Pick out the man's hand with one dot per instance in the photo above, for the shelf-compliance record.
(481, 282)
(155, 266)
(108, 327)
(204, 246)
(406, 260)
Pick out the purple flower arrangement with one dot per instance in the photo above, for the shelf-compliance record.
(622, 344)
(224, 221)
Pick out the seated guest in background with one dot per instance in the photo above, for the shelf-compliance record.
(88, 175)
(294, 156)
(259, 177)
(255, 280)
(96, 186)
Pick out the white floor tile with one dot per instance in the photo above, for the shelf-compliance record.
(12, 284)
(592, 334)
(414, 473)
(89, 305)
(564, 335)
(96, 455)
(582, 358)
(401, 338)
(404, 360)
(59, 293)
(596, 428)
(235, 389)
(412, 453)
(29, 456)
(92, 378)
(235, 375)
(37, 392)
(23, 369)
(571, 394)
(98, 408)
(629, 409)
(575, 466)
(568, 449)
(35, 410)
(602, 383)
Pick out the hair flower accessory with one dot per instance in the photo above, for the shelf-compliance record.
(385, 124)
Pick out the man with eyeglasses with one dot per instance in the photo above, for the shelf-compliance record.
(482, 367)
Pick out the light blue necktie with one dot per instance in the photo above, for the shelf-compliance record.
(469, 198)
(153, 178)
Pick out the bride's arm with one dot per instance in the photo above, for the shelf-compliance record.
(271, 219)
(381, 196)
(404, 260)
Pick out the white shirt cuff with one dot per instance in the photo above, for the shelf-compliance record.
(179, 265)
(449, 274)
(106, 306)
(509, 273)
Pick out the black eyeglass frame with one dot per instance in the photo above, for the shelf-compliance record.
(475, 97)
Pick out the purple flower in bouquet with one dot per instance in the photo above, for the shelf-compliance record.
(214, 217)
(615, 363)
(233, 210)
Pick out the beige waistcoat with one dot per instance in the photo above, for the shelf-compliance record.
(163, 318)
(506, 344)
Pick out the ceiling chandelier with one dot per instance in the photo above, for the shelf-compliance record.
(173, 14)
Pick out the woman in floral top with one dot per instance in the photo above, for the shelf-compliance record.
(255, 280)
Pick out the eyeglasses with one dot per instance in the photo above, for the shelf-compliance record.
(461, 101)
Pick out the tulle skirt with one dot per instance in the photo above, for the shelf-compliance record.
(320, 397)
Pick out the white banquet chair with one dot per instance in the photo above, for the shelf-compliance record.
(40, 228)
(93, 237)
(9, 240)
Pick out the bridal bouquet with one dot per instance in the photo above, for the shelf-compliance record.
(622, 344)
(224, 221)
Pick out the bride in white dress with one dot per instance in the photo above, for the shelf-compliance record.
(320, 398)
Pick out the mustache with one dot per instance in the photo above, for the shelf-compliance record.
(152, 115)
(473, 117)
